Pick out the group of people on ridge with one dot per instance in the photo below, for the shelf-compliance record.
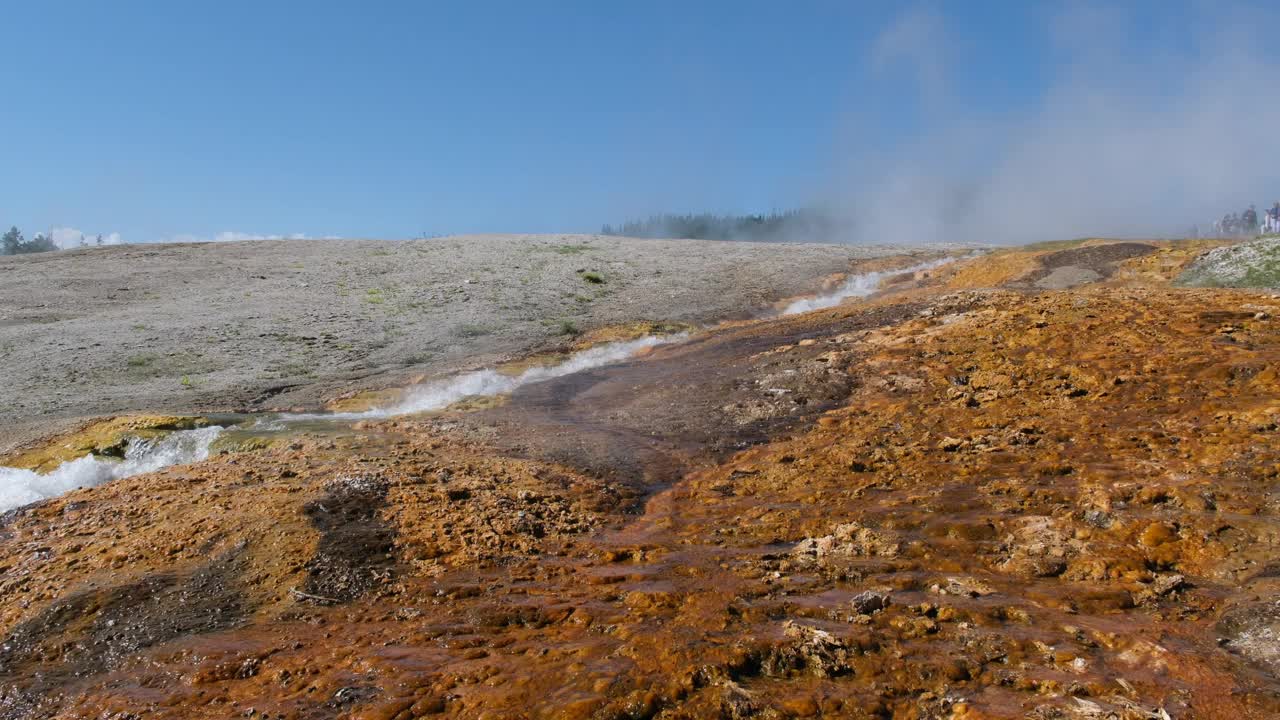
(1246, 223)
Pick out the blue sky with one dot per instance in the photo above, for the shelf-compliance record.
(390, 119)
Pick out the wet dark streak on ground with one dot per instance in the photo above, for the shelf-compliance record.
(641, 424)
(644, 423)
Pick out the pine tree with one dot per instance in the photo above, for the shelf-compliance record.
(40, 243)
(11, 243)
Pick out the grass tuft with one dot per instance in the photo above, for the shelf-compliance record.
(468, 330)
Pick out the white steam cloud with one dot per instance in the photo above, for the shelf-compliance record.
(234, 236)
(1122, 141)
(69, 237)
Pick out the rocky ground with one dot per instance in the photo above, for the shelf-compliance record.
(1249, 264)
(248, 325)
(1036, 484)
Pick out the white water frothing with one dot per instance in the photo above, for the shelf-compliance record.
(21, 487)
(442, 393)
(860, 285)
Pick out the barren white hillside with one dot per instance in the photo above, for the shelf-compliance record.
(242, 325)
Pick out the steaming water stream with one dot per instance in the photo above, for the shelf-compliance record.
(859, 286)
(440, 394)
(20, 487)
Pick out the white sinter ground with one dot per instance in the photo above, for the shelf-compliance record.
(21, 487)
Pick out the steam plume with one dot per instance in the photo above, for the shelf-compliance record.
(1124, 141)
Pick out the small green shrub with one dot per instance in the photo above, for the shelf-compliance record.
(594, 278)
(467, 330)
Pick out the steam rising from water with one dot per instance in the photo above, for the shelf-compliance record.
(860, 285)
(21, 487)
(441, 394)
(1141, 124)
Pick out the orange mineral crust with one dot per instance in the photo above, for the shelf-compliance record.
(977, 494)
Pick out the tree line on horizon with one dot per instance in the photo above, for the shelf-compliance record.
(801, 225)
(13, 243)
(790, 226)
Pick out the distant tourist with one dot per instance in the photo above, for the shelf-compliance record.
(1248, 223)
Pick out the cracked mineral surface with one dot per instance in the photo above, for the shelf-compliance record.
(1039, 483)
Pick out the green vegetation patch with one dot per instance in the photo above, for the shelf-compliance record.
(806, 224)
(570, 249)
(468, 330)
(594, 278)
(13, 243)
(291, 369)
(419, 358)
(145, 366)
